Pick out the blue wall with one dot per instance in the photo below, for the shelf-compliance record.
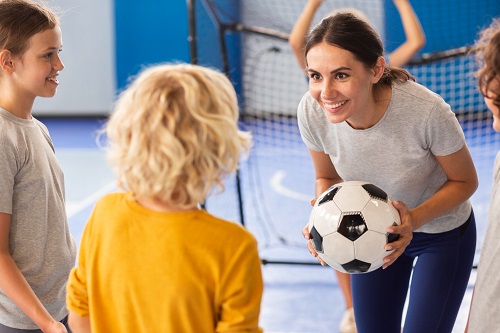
(149, 32)
(209, 46)
(448, 24)
(154, 31)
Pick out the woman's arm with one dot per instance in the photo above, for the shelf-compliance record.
(15, 286)
(297, 38)
(326, 176)
(325, 172)
(461, 184)
(415, 37)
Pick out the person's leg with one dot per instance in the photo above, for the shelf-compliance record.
(439, 279)
(344, 281)
(379, 297)
(347, 324)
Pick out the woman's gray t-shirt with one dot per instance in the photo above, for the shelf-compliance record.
(397, 153)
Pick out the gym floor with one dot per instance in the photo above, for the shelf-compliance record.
(297, 298)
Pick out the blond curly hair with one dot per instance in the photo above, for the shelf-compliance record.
(487, 50)
(174, 136)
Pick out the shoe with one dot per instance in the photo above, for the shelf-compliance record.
(348, 325)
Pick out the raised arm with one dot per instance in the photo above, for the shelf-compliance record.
(415, 37)
(297, 38)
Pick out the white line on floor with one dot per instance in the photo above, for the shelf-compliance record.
(276, 180)
(74, 207)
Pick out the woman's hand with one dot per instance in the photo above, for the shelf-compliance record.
(405, 232)
(310, 246)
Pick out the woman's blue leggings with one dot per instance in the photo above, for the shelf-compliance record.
(438, 284)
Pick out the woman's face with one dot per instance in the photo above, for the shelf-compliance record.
(341, 85)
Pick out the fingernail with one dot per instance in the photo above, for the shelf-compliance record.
(391, 231)
(388, 248)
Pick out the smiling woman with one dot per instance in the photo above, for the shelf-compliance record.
(333, 89)
(365, 121)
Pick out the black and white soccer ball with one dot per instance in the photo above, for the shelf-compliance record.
(348, 226)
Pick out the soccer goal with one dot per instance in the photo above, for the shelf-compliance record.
(247, 40)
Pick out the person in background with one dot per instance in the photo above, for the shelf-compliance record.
(415, 36)
(415, 40)
(150, 259)
(37, 251)
(366, 121)
(485, 306)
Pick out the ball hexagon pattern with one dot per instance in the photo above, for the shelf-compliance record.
(348, 226)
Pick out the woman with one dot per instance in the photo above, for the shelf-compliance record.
(415, 40)
(363, 120)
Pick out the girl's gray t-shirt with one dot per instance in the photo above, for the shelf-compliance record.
(32, 191)
(398, 153)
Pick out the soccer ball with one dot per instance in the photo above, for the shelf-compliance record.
(348, 226)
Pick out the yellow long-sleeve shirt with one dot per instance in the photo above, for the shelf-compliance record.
(146, 271)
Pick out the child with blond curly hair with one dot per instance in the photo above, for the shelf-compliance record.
(150, 259)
